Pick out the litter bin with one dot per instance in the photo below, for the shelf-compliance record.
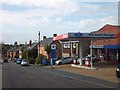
(44, 62)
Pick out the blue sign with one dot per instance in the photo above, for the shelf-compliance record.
(51, 61)
(78, 34)
(53, 53)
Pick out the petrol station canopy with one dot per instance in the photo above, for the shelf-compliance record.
(84, 36)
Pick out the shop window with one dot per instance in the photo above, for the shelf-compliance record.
(74, 45)
(66, 45)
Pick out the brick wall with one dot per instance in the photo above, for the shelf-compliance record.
(109, 29)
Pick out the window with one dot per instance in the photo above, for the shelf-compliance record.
(74, 45)
(66, 45)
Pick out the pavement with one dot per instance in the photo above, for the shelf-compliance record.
(106, 70)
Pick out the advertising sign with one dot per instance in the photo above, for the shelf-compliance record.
(53, 46)
(53, 51)
(90, 35)
(96, 46)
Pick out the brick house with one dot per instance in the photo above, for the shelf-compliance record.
(66, 48)
(15, 52)
(110, 48)
(10, 52)
(63, 47)
(44, 43)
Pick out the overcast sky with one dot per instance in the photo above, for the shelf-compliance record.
(21, 20)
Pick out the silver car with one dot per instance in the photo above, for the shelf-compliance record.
(65, 60)
(25, 62)
(94, 58)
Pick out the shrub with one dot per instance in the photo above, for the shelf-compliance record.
(39, 59)
(31, 60)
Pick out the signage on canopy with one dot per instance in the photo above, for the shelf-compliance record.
(82, 36)
(90, 35)
(63, 36)
(78, 34)
(96, 46)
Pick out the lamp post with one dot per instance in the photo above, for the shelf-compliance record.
(39, 44)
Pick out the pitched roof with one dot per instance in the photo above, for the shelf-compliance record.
(12, 49)
(108, 26)
(33, 45)
(16, 48)
(46, 41)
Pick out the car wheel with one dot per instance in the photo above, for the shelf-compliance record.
(60, 63)
(71, 62)
(118, 76)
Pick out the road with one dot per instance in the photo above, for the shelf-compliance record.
(16, 76)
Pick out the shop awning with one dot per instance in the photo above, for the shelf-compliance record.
(112, 46)
(84, 36)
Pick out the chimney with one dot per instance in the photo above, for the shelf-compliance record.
(44, 37)
(54, 35)
(25, 43)
(30, 43)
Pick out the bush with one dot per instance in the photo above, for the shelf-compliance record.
(31, 60)
(39, 59)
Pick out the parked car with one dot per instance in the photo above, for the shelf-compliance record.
(14, 59)
(10, 60)
(5, 60)
(118, 71)
(25, 62)
(18, 61)
(94, 59)
(65, 60)
(1, 61)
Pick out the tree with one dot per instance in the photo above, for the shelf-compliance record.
(24, 56)
(4, 48)
(39, 59)
(33, 53)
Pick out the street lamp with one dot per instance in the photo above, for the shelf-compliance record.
(39, 44)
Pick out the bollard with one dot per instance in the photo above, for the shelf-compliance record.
(51, 63)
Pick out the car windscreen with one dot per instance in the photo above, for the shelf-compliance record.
(25, 61)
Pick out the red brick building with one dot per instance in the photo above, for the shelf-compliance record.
(110, 48)
(64, 48)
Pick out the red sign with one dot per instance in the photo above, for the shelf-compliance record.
(63, 36)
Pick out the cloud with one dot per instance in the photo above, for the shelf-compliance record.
(52, 16)
(88, 25)
(51, 3)
(58, 19)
